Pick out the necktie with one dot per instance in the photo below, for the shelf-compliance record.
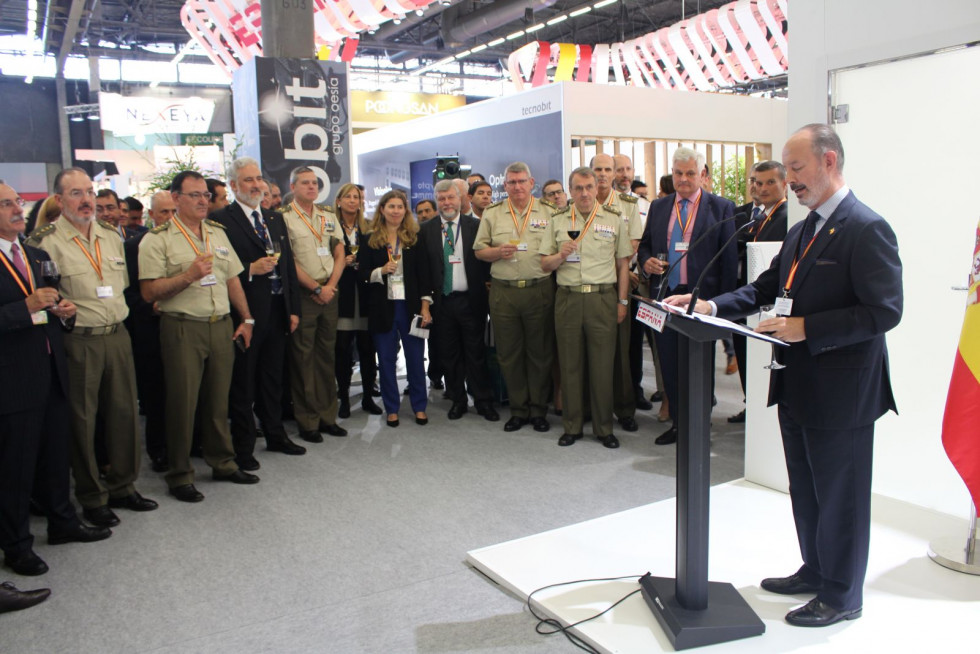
(18, 261)
(809, 229)
(447, 250)
(264, 235)
(677, 236)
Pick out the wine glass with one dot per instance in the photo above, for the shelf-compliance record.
(51, 275)
(355, 247)
(765, 313)
(664, 259)
(515, 240)
(574, 233)
(274, 250)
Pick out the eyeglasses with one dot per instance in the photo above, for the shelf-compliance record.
(555, 193)
(515, 182)
(9, 204)
(196, 195)
(78, 194)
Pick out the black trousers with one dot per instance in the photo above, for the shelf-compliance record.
(461, 351)
(256, 381)
(34, 462)
(638, 332)
(830, 488)
(344, 362)
(150, 388)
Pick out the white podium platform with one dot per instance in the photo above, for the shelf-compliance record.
(909, 600)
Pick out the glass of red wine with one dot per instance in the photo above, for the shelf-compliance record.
(573, 233)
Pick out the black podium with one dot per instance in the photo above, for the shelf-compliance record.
(693, 611)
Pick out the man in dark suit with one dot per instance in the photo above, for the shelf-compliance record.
(837, 286)
(673, 223)
(461, 305)
(767, 186)
(273, 299)
(108, 208)
(34, 424)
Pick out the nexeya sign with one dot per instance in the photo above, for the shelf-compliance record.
(129, 116)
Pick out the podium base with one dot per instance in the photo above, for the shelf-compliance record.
(728, 616)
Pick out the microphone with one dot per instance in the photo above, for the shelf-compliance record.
(662, 291)
(697, 287)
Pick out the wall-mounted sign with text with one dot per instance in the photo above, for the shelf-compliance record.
(129, 116)
(395, 107)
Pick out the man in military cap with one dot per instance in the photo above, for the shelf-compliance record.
(522, 296)
(588, 245)
(189, 268)
(318, 248)
(101, 377)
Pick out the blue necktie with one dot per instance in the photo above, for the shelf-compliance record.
(677, 236)
(809, 229)
(447, 250)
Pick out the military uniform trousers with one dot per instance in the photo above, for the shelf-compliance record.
(524, 328)
(198, 357)
(585, 329)
(311, 365)
(624, 398)
(102, 380)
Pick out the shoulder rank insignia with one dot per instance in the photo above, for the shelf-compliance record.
(214, 223)
(627, 198)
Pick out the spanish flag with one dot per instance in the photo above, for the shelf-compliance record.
(961, 423)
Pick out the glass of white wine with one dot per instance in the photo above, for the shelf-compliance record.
(274, 250)
(515, 240)
(355, 247)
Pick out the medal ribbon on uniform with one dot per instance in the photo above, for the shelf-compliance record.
(595, 210)
(527, 216)
(302, 216)
(207, 237)
(97, 262)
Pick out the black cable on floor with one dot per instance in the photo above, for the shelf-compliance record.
(564, 629)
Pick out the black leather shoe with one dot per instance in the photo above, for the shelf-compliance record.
(311, 436)
(368, 405)
(540, 424)
(133, 502)
(515, 423)
(344, 410)
(421, 421)
(407, 391)
(817, 614)
(642, 403)
(284, 445)
(657, 397)
(78, 534)
(628, 423)
(738, 418)
(187, 493)
(249, 463)
(568, 439)
(375, 391)
(794, 584)
(457, 411)
(28, 564)
(101, 516)
(333, 430)
(488, 413)
(12, 599)
(668, 437)
(437, 384)
(609, 441)
(159, 464)
(237, 477)
(391, 423)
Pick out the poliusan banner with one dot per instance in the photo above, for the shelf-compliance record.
(295, 112)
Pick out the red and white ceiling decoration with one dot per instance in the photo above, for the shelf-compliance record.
(736, 43)
(230, 31)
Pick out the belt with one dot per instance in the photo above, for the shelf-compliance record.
(185, 316)
(588, 288)
(97, 331)
(455, 294)
(521, 283)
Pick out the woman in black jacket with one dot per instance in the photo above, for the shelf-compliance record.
(395, 268)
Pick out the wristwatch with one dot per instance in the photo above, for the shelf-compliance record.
(317, 290)
(625, 303)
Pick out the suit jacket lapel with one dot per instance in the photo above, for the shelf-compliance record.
(245, 223)
(827, 235)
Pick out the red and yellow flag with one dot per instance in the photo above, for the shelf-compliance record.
(961, 423)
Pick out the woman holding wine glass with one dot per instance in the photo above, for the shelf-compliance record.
(396, 270)
(352, 323)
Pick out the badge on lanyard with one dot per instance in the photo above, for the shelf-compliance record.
(323, 251)
(396, 287)
(574, 257)
(103, 291)
(209, 280)
(522, 247)
(783, 306)
(455, 258)
(681, 246)
(39, 318)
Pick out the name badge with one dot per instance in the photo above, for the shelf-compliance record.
(574, 257)
(455, 258)
(209, 280)
(221, 251)
(681, 246)
(522, 247)
(39, 318)
(783, 306)
(323, 252)
(103, 291)
(396, 287)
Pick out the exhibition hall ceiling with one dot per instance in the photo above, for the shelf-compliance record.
(152, 29)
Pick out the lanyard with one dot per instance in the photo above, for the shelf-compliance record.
(690, 214)
(302, 216)
(16, 275)
(396, 250)
(207, 237)
(97, 262)
(758, 230)
(527, 216)
(796, 263)
(595, 210)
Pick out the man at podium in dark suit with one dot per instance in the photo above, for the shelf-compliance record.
(837, 288)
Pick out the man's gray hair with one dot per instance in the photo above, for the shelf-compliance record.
(582, 171)
(686, 154)
(157, 197)
(235, 166)
(296, 172)
(824, 140)
(518, 167)
(444, 185)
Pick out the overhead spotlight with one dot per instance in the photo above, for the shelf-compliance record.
(419, 12)
(77, 119)
(445, 3)
(397, 20)
(93, 116)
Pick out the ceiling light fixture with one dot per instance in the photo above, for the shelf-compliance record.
(556, 20)
(602, 4)
(535, 28)
(479, 48)
(511, 37)
(495, 42)
(579, 12)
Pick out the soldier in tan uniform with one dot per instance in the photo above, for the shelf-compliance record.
(101, 377)
(522, 296)
(592, 277)
(189, 268)
(318, 248)
(625, 400)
